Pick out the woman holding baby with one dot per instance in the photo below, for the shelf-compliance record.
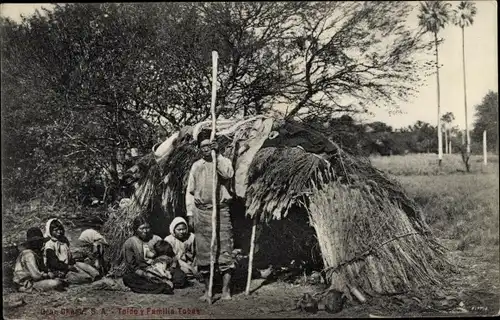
(149, 271)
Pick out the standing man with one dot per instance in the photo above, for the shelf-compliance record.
(199, 206)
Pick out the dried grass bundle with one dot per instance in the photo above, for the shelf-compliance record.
(175, 173)
(369, 242)
(277, 177)
(358, 171)
(117, 227)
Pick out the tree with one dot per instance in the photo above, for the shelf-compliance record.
(487, 119)
(86, 82)
(433, 17)
(379, 126)
(340, 62)
(425, 135)
(68, 97)
(254, 64)
(447, 119)
(463, 16)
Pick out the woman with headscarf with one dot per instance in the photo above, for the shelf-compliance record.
(90, 248)
(138, 252)
(58, 258)
(182, 242)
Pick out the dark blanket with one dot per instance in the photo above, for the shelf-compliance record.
(139, 284)
(293, 134)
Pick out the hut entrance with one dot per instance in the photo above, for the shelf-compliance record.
(280, 241)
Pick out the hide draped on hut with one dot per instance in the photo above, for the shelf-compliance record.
(369, 233)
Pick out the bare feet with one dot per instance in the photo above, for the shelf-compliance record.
(264, 274)
(226, 296)
(204, 298)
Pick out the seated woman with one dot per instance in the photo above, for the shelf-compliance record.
(29, 271)
(58, 258)
(138, 253)
(182, 243)
(90, 249)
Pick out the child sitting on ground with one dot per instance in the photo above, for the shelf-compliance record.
(58, 258)
(182, 243)
(29, 271)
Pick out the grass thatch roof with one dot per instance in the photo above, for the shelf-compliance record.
(280, 176)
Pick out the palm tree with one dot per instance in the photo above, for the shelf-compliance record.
(447, 119)
(463, 16)
(433, 16)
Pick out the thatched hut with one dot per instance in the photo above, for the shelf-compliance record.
(303, 187)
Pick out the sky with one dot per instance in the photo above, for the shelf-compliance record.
(481, 68)
(481, 58)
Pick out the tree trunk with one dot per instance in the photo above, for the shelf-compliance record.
(465, 95)
(299, 106)
(469, 139)
(440, 136)
(496, 147)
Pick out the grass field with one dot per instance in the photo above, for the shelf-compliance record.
(460, 206)
(426, 164)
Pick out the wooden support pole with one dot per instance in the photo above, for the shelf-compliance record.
(214, 187)
(250, 260)
(485, 148)
(446, 141)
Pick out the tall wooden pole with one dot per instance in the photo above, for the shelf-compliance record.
(485, 148)
(250, 260)
(214, 178)
(446, 141)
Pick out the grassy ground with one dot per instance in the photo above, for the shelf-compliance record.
(460, 207)
(426, 164)
(462, 210)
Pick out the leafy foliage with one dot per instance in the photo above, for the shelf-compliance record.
(463, 15)
(487, 119)
(434, 15)
(355, 55)
(83, 84)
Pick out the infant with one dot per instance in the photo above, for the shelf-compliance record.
(162, 262)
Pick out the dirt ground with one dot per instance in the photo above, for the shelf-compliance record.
(472, 290)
